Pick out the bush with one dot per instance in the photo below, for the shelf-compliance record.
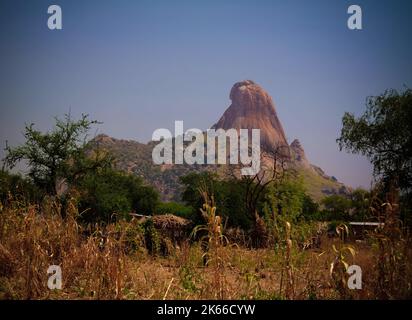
(229, 196)
(174, 208)
(109, 194)
(289, 199)
(336, 208)
(18, 187)
(309, 208)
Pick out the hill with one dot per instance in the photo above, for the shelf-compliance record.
(251, 108)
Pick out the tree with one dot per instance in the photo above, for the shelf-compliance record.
(108, 194)
(174, 208)
(336, 207)
(360, 203)
(58, 155)
(228, 194)
(383, 134)
(16, 187)
(286, 197)
(310, 207)
(273, 170)
(191, 195)
(289, 199)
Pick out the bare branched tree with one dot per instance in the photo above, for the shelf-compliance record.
(275, 166)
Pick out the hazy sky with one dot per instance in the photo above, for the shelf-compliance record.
(141, 65)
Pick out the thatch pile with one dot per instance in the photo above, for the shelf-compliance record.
(171, 226)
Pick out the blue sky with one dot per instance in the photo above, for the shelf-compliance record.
(141, 65)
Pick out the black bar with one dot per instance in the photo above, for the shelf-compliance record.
(205, 309)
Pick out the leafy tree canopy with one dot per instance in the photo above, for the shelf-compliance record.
(383, 134)
(56, 155)
(107, 194)
(229, 196)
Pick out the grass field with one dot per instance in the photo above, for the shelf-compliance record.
(114, 263)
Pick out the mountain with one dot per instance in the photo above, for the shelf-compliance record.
(251, 108)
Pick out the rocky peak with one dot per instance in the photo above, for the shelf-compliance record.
(253, 108)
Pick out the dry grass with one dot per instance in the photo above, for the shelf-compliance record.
(113, 262)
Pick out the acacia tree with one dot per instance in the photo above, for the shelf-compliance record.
(383, 134)
(58, 155)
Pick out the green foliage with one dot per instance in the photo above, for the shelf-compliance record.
(383, 134)
(355, 207)
(192, 183)
(17, 187)
(287, 198)
(188, 276)
(174, 208)
(360, 204)
(229, 197)
(309, 207)
(55, 155)
(134, 236)
(63, 157)
(152, 238)
(301, 231)
(336, 207)
(290, 200)
(109, 192)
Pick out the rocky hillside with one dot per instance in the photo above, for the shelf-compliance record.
(251, 108)
(136, 158)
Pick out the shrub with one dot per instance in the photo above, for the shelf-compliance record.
(174, 208)
(20, 188)
(229, 196)
(110, 194)
(336, 207)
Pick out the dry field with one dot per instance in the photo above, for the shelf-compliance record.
(114, 263)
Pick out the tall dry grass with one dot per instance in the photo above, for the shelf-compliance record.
(213, 242)
(393, 255)
(113, 262)
(33, 238)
